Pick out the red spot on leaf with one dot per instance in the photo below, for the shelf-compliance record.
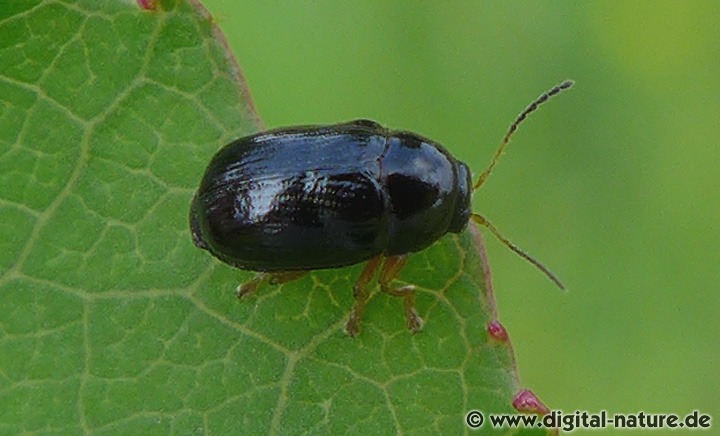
(497, 331)
(148, 5)
(527, 402)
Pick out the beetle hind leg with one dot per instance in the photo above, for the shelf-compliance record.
(392, 267)
(251, 286)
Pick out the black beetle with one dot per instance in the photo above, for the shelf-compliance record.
(290, 200)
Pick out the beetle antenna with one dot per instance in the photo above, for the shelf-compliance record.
(513, 127)
(487, 224)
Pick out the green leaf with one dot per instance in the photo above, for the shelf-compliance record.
(111, 321)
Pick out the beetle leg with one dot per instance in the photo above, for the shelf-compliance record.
(392, 267)
(285, 277)
(278, 278)
(249, 287)
(360, 292)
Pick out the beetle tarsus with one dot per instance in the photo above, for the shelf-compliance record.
(352, 326)
(414, 321)
(280, 278)
(251, 286)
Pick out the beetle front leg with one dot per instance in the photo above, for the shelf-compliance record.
(392, 267)
(360, 292)
(251, 286)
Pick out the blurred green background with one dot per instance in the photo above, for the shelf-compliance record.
(614, 184)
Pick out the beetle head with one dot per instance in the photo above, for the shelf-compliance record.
(463, 208)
